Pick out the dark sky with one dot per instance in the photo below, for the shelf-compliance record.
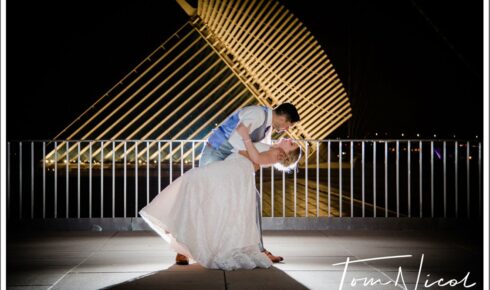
(408, 66)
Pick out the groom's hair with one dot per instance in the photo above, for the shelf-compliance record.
(289, 110)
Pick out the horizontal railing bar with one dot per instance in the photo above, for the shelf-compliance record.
(204, 140)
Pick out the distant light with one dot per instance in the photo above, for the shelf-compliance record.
(376, 134)
(454, 136)
(435, 135)
(403, 134)
(418, 135)
(476, 136)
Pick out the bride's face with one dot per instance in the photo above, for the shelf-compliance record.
(287, 145)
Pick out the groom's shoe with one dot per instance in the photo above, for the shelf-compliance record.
(181, 260)
(274, 259)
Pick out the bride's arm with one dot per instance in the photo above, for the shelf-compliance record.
(267, 157)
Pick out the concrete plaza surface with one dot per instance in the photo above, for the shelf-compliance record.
(142, 260)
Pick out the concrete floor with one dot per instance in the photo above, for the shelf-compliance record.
(142, 260)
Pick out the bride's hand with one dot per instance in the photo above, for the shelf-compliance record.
(243, 131)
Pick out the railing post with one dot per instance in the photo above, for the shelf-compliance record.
(444, 177)
(193, 154)
(468, 179)
(147, 173)
(113, 179)
(340, 178)
(374, 178)
(397, 178)
(283, 194)
(159, 167)
(67, 193)
(306, 178)
(351, 179)
(181, 158)
(363, 153)
(420, 180)
(409, 176)
(479, 180)
(124, 179)
(78, 179)
(317, 178)
(90, 181)
(32, 180)
(328, 178)
(432, 178)
(136, 164)
(272, 191)
(295, 183)
(102, 179)
(9, 209)
(261, 188)
(20, 180)
(44, 180)
(456, 178)
(170, 161)
(55, 179)
(386, 178)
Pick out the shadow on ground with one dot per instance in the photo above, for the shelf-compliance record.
(195, 276)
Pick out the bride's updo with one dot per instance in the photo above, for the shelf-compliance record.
(290, 162)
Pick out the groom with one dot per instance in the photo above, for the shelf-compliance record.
(224, 139)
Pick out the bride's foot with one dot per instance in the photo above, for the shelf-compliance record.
(274, 259)
(181, 260)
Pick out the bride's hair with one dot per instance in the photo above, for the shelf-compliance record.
(290, 162)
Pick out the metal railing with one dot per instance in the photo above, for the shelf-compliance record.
(342, 178)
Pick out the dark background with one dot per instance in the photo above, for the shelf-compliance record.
(408, 66)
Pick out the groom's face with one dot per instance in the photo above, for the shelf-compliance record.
(282, 124)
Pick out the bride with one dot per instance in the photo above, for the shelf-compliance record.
(208, 213)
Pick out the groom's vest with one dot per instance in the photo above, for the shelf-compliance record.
(221, 134)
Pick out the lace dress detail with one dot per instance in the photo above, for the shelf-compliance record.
(208, 214)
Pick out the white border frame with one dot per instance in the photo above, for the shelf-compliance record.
(3, 61)
(3, 142)
(485, 173)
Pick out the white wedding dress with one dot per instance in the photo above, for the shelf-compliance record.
(209, 214)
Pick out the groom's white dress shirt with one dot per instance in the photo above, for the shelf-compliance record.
(253, 115)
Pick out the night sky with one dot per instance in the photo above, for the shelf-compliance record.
(408, 66)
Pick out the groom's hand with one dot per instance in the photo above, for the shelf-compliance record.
(243, 130)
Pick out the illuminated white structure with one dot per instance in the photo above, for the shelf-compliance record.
(230, 54)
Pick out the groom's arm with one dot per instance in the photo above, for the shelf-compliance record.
(252, 117)
(261, 158)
